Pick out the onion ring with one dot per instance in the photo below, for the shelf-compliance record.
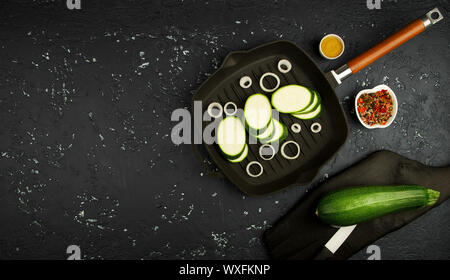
(316, 127)
(284, 146)
(261, 84)
(215, 105)
(263, 156)
(248, 169)
(296, 127)
(245, 82)
(286, 63)
(230, 104)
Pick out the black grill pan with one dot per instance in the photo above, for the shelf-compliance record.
(316, 149)
(223, 86)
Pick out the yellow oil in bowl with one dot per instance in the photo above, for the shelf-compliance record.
(331, 46)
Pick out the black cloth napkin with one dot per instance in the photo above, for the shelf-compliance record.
(301, 235)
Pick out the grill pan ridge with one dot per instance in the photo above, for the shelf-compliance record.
(315, 148)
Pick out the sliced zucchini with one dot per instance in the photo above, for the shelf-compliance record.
(311, 115)
(292, 99)
(243, 155)
(279, 134)
(267, 133)
(231, 137)
(257, 112)
(313, 106)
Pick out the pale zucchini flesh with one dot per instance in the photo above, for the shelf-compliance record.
(311, 115)
(292, 98)
(257, 112)
(267, 133)
(314, 104)
(243, 155)
(279, 134)
(231, 137)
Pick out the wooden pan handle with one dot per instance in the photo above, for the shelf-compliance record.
(403, 35)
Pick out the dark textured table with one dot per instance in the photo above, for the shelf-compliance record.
(86, 96)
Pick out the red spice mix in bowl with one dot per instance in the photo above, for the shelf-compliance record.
(376, 107)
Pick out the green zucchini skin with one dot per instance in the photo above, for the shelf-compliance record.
(242, 156)
(280, 138)
(355, 205)
(311, 108)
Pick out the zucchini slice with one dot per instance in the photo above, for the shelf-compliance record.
(292, 99)
(241, 157)
(267, 133)
(311, 115)
(354, 205)
(257, 112)
(279, 134)
(313, 106)
(231, 137)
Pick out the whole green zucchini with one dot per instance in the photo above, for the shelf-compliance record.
(354, 205)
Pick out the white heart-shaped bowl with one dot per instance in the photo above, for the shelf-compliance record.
(394, 106)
